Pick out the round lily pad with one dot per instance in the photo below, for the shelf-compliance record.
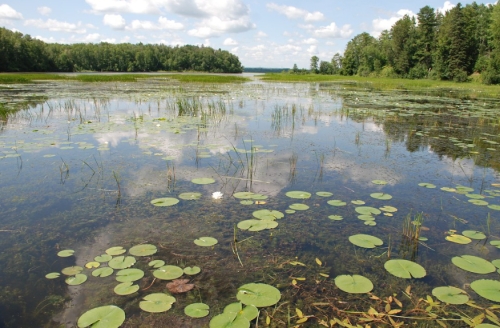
(405, 269)
(158, 302)
(474, 196)
(259, 295)
(336, 202)
(205, 241)
(370, 223)
(192, 270)
(127, 275)
(190, 195)
(66, 253)
(103, 258)
(358, 202)
(122, 262)
(262, 214)
(495, 243)
(168, 272)
(381, 196)
(126, 288)
(489, 289)
(379, 182)
(203, 181)
(72, 270)
(299, 207)
(236, 310)
(143, 250)
(494, 207)
(243, 195)
(116, 250)
(165, 201)
(103, 272)
(387, 208)
(367, 210)
(197, 310)
(366, 217)
(473, 264)
(474, 234)
(450, 295)
(77, 279)
(354, 284)
(289, 211)
(52, 275)
(458, 239)
(365, 241)
(427, 185)
(324, 194)
(108, 316)
(156, 263)
(298, 194)
(496, 263)
(246, 202)
(229, 320)
(478, 202)
(335, 217)
(91, 265)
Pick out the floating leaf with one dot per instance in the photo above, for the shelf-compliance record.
(299, 207)
(358, 202)
(459, 239)
(205, 241)
(246, 202)
(264, 214)
(405, 269)
(66, 253)
(495, 243)
(259, 295)
(179, 286)
(190, 195)
(108, 316)
(116, 250)
(494, 207)
(158, 302)
(289, 211)
(496, 263)
(192, 270)
(366, 217)
(318, 261)
(365, 241)
(474, 234)
(448, 189)
(379, 182)
(91, 265)
(72, 270)
(337, 202)
(324, 193)
(388, 208)
(489, 289)
(127, 275)
(168, 272)
(103, 258)
(381, 196)
(450, 295)
(474, 196)
(52, 275)
(197, 310)
(143, 250)
(367, 210)
(243, 195)
(335, 217)
(166, 201)
(126, 288)
(473, 264)
(354, 284)
(203, 181)
(298, 194)
(478, 202)
(103, 272)
(370, 223)
(427, 185)
(77, 279)
(156, 263)
(122, 262)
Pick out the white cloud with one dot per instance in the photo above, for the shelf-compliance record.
(109, 40)
(206, 43)
(114, 21)
(230, 42)
(163, 24)
(46, 40)
(8, 12)
(312, 50)
(261, 34)
(310, 41)
(124, 6)
(333, 31)
(296, 13)
(93, 37)
(44, 10)
(381, 24)
(214, 26)
(446, 6)
(55, 25)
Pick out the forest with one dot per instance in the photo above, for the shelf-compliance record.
(22, 53)
(460, 45)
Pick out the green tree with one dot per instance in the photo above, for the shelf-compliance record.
(314, 64)
(404, 45)
(426, 36)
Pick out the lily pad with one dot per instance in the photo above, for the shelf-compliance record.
(122, 262)
(474, 234)
(116, 250)
(168, 272)
(192, 270)
(77, 279)
(381, 196)
(336, 202)
(206, 241)
(367, 210)
(489, 289)
(52, 275)
(450, 295)
(243, 195)
(495, 243)
(405, 269)
(165, 201)
(91, 265)
(103, 272)
(289, 211)
(427, 185)
(335, 217)
(156, 263)
(203, 181)
(387, 208)
(379, 182)
(366, 217)
(358, 202)
(246, 202)
(365, 241)
(473, 264)
(228, 320)
(324, 194)
(126, 288)
(190, 195)
(354, 284)
(108, 316)
(197, 310)
(72, 270)
(494, 207)
(496, 263)
(478, 202)
(370, 223)
(259, 295)
(143, 250)
(458, 239)
(298, 194)
(127, 275)
(263, 214)
(66, 253)
(103, 258)
(299, 207)
(158, 302)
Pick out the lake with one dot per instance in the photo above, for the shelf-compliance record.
(316, 189)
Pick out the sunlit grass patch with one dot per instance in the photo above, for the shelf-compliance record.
(11, 78)
(206, 78)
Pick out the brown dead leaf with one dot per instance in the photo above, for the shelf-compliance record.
(178, 286)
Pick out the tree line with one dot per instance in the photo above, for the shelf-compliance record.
(22, 53)
(449, 46)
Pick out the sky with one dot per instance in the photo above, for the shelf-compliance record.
(262, 33)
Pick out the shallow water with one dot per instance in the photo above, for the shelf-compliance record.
(80, 164)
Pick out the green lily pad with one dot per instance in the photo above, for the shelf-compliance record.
(478, 202)
(458, 239)
(103, 272)
(405, 269)
(448, 189)
(66, 253)
(206, 241)
(259, 295)
(108, 316)
(246, 202)
(450, 295)
(77, 279)
(370, 223)
(192, 270)
(474, 234)
(335, 217)
(127, 275)
(168, 272)
(474, 196)
(358, 202)
(190, 195)
(367, 210)
(143, 250)
(197, 310)
(365, 241)
(496, 263)
(122, 262)
(379, 182)
(103, 258)
(464, 189)
(387, 208)
(116, 250)
(228, 320)
(381, 196)
(336, 202)
(494, 207)
(473, 264)
(52, 275)
(158, 302)
(126, 288)
(427, 185)
(366, 217)
(203, 181)
(263, 214)
(324, 194)
(156, 263)
(489, 289)
(243, 195)
(165, 201)
(354, 284)
(72, 270)
(495, 243)
(298, 194)
(299, 207)
(289, 211)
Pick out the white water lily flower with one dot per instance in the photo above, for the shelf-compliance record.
(217, 195)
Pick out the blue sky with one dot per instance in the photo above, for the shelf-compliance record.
(261, 33)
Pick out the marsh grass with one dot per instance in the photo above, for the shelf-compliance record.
(205, 78)
(12, 78)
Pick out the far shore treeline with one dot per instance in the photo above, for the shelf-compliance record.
(22, 53)
(461, 45)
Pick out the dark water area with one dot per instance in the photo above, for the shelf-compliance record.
(81, 163)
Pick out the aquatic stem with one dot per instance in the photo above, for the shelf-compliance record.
(118, 184)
